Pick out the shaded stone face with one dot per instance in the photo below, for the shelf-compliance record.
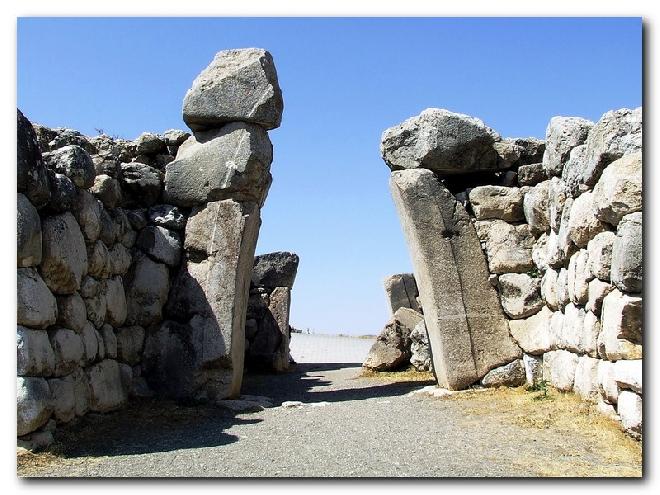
(401, 290)
(468, 332)
(275, 269)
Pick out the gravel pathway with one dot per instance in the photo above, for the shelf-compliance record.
(347, 426)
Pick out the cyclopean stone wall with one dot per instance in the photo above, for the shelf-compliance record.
(528, 254)
(134, 258)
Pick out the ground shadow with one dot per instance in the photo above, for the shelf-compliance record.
(302, 384)
(147, 426)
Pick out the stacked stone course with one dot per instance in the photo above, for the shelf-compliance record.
(559, 224)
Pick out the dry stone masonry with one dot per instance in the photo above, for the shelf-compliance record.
(135, 258)
(527, 254)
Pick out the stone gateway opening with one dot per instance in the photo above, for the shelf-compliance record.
(137, 277)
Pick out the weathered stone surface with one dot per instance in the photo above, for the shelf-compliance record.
(539, 253)
(146, 287)
(536, 208)
(89, 287)
(533, 368)
(141, 184)
(87, 211)
(597, 292)
(31, 173)
(560, 247)
(115, 302)
(33, 404)
(97, 260)
(619, 190)
(275, 269)
(149, 144)
(81, 390)
(109, 341)
(609, 390)
(629, 408)
(533, 334)
(621, 327)
(617, 133)
(520, 294)
(269, 339)
(558, 193)
(167, 216)
(557, 329)
(71, 312)
(401, 290)
(442, 141)
(119, 260)
(561, 136)
(590, 333)
(106, 391)
(161, 244)
(508, 247)
(559, 369)
(573, 170)
(211, 294)
(497, 202)
(599, 251)
(467, 330)
(74, 162)
(35, 305)
(90, 343)
(420, 350)
(530, 175)
(28, 233)
(63, 193)
(586, 378)
(64, 254)
(63, 392)
(231, 162)
(108, 232)
(562, 288)
(107, 190)
(572, 329)
(582, 223)
(97, 308)
(391, 350)
(549, 288)
(238, 85)
(509, 375)
(578, 277)
(130, 341)
(68, 348)
(34, 354)
(628, 375)
(627, 252)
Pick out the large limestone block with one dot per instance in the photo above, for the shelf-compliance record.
(401, 290)
(34, 354)
(63, 392)
(509, 375)
(530, 175)
(28, 233)
(558, 192)
(572, 330)
(63, 193)
(146, 287)
(628, 375)
(161, 244)
(119, 259)
(560, 247)
(619, 190)
(33, 404)
(621, 327)
(533, 368)
(280, 307)
(609, 390)
(559, 369)
(586, 378)
(106, 390)
(617, 133)
(107, 333)
(629, 408)
(597, 292)
(277, 269)
(31, 173)
(68, 348)
(391, 350)
(578, 277)
(520, 294)
(533, 334)
(539, 253)
(141, 184)
(211, 293)
(549, 288)
(230, 162)
(536, 208)
(574, 169)
(81, 391)
(583, 225)
(97, 308)
(468, 333)
(90, 342)
(74, 162)
(108, 190)
(238, 85)
(508, 247)
(590, 333)
(442, 141)
(627, 252)
(35, 304)
(599, 251)
(420, 351)
(71, 312)
(115, 298)
(561, 136)
(497, 202)
(64, 254)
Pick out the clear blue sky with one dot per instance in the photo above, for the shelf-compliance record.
(344, 81)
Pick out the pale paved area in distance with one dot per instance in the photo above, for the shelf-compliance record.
(348, 426)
